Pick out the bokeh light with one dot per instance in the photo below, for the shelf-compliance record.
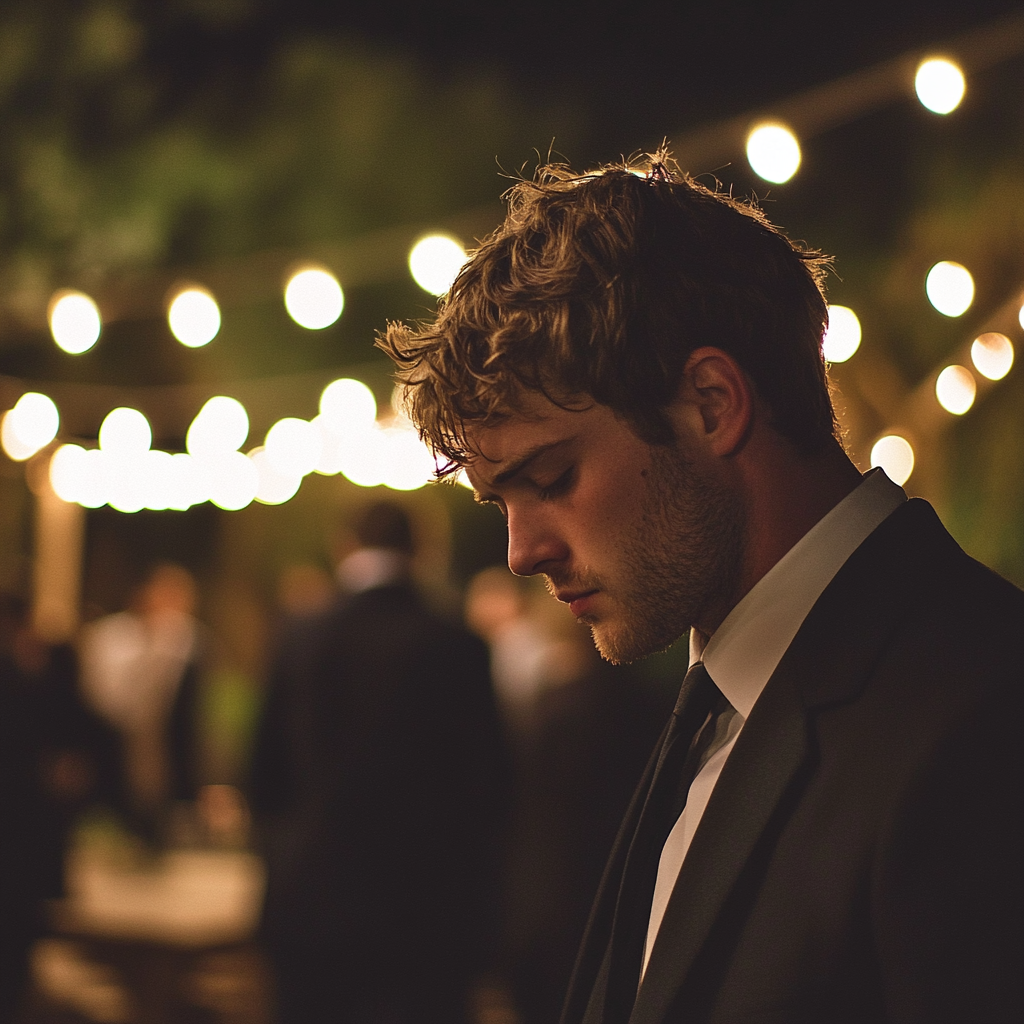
(194, 317)
(231, 478)
(220, 426)
(74, 321)
(314, 298)
(955, 389)
(67, 471)
(126, 480)
(1020, 317)
(939, 85)
(125, 432)
(842, 338)
(347, 404)
(188, 484)
(773, 152)
(273, 487)
(408, 463)
(895, 455)
(32, 424)
(435, 262)
(157, 468)
(950, 288)
(94, 479)
(293, 446)
(992, 355)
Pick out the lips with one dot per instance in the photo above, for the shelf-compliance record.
(579, 602)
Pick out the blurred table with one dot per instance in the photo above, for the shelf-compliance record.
(156, 921)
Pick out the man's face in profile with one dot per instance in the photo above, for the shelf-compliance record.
(637, 539)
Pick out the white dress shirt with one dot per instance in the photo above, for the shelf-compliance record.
(745, 650)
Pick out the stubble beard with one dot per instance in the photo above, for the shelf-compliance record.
(679, 559)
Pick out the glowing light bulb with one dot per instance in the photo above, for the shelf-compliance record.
(74, 321)
(314, 298)
(293, 446)
(364, 458)
(992, 355)
(773, 152)
(126, 480)
(158, 485)
(188, 482)
(896, 457)
(32, 424)
(194, 317)
(125, 432)
(950, 288)
(220, 426)
(940, 85)
(233, 480)
(435, 262)
(842, 338)
(955, 389)
(273, 487)
(347, 404)
(408, 463)
(68, 466)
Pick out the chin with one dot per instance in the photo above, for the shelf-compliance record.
(625, 645)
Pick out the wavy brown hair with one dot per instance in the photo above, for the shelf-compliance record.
(599, 286)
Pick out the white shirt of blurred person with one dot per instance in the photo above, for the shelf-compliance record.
(528, 652)
(133, 664)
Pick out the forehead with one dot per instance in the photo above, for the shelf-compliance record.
(534, 420)
(538, 432)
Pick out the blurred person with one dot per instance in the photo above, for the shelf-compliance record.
(56, 758)
(526, 656)
(304, 589)
(141, 671)
(583, 731)
(378, 788)
(631, 369)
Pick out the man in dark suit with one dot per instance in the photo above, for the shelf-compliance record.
(829, 829)
(379, 787)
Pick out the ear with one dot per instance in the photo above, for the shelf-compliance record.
(715, 401)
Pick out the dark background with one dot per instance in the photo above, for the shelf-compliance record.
(223, 140)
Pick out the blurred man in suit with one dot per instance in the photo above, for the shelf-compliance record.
(379, 786)
(630, 368)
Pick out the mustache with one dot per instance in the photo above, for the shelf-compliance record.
(577, 582)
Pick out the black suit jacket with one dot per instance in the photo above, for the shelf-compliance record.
(379, 785)
(861, 856)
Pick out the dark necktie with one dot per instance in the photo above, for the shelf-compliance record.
(665, 798)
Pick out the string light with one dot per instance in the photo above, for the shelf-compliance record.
(842, 338)
(773, 152)
(314, 298)
(74, 321)
(940, 85)
(895, 455)
(435, 262)
(950, 288)
(31, 425)
(194, 317)
(955, 389)
(992, 355)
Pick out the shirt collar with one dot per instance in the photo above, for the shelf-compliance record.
(368, 568)
(745, 650)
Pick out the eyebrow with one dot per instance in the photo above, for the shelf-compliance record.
(519, 465)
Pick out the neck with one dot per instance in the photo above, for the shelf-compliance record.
(785, 494)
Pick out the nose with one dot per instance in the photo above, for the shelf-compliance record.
(533, 545)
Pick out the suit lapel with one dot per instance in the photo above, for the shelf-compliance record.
(591, 969)
(829, 661)
(764, 763)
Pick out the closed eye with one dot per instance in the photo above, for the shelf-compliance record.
(558, 487)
